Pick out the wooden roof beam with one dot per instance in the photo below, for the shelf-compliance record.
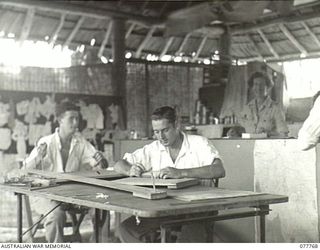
(106, 39)
(167, 46)
(82, 10)
(273, 22)
(282, 58)
(292, 39)
(253, 43)
(203, 41)
(56, 32)
(311, 33)
(74, 31)
(145, 41)
(129, 31)
(184, 42)
(27, 24)
(266, 41)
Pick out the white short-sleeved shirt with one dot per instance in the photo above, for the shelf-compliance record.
(80, 154)
(309, 134)
(196, 151)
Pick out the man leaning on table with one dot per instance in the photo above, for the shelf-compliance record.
(173, 155)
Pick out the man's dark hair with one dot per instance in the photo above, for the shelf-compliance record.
(62, 107)
(165, 112)
(259, 75)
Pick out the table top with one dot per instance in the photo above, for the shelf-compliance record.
(123, 202)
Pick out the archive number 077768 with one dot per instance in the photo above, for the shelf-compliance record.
(308, 245)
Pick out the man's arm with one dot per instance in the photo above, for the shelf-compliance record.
(126, 168)
(215, 170)
(309, 134)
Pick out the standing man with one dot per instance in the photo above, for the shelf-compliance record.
(173, 155)
(309, 134)
(63, 151)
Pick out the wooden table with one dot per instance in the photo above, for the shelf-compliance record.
(169, 209)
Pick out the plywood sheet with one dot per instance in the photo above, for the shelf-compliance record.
(169, 183)
(280, 167)
(217, 193)
(141, 192)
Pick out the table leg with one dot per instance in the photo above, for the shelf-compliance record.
(97, 224)
(263, 223)
(19, 217)
(163, 233)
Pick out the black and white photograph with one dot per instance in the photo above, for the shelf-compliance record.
(159, 121)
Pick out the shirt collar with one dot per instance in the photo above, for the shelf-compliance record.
(184, 145)
(267, 102)
(74, 140)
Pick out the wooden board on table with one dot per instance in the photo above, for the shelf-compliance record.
(100, 174)
(169, 183)
(141, 192)
(217, 193)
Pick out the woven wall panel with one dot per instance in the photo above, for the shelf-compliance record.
(95, 80)
(136, 98)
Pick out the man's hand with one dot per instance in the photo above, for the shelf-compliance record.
(170, 172)
(136, 170)
(101, 161)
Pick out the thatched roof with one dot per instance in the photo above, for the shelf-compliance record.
(259, 30)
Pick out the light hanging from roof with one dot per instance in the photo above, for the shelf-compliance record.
(128, 55)
(165, 58)
(11, 35)
(92, 42)
(206, 61)
(104, 59)
(177, 59)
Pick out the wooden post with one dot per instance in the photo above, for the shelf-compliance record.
(224, 52)
(119, 63)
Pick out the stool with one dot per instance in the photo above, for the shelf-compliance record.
(76, 215)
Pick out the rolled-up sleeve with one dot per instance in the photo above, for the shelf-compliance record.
(138, 157)
(207, 152)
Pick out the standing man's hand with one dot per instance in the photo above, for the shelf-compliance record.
(136, 170)
(170, 172)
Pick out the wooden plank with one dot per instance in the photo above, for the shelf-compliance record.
(76, 8)
(105, 39)
(55, 34)
(292, 39)
(141, 192)
(169, 183)
(203, 41)
(27, 24)
(217, 193)
(166, 47)
(268, 43)
(311, 33)
(74, 31)
(145, 41)
(183, 44)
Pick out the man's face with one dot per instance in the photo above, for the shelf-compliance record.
(165, 131)
(69, 122)
(259, 87)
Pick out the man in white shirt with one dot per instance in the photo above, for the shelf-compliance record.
(173, 155)
(309, 134)
(63, 151)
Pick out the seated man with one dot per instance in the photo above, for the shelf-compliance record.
(173, 155)
(63, 151)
